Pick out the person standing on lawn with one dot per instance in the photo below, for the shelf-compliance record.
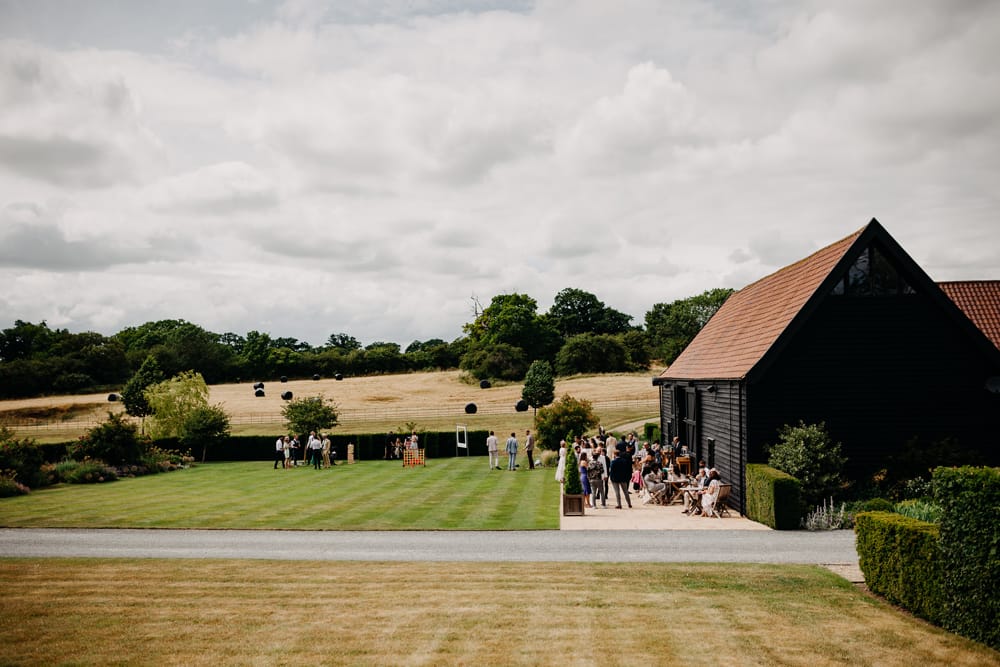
(512, 451)
(279, 452)
(326, 450)
(529, 448)
(493, 448)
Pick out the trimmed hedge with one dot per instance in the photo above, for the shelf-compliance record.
(970, 550)
(899, 557)
(773, 497)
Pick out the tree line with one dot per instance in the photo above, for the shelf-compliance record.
(578, 334)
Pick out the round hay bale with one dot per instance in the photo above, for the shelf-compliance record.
(338, 377)
(484, 384)
(470, 409)
(259, 392)
(258, 385)
(286, 395)
(521, 406)
(112, 398)
(284, 378)
(315, 376)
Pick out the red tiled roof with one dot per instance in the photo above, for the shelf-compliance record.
(980, 301)
(750, 321)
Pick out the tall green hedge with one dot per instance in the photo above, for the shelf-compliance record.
(773, 497)
(899, 557)
(970, 550)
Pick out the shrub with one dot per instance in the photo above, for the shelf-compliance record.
(568, 415)
(89, 471)
(877, 505)
(772, 497)
(572, 485)
(22, 457)
(807, 453)
(9, 486)
(827, 517)
(116, 442)
(970, 550)
(900, 559)
(550, 459)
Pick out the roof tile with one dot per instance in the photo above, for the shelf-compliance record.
(750, 321)
(980, 301)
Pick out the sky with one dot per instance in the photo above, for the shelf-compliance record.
(306, 168)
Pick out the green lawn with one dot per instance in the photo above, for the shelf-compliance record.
(447, 494)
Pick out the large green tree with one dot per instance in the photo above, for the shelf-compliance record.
(671, 326)
(539, 385)
(174, 400)
(592, 353)
(575, 311)
(513, 319)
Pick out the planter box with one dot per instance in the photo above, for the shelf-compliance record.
(573, 505)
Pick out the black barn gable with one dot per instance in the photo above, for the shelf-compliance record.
(856, 336)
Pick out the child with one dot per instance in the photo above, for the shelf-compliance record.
(636, 478)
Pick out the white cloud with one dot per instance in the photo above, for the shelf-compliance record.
(306, 168)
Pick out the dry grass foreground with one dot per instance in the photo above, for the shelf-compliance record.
(176, 612)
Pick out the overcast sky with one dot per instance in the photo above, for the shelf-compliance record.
(368, 168)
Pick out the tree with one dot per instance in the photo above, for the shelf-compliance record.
(513, 319)
(539, 385)
(314, 413)
(497, 361)
(174, 400)
(204, 426)
(342, 341)
(671, 326)
(575, 311)
(592, 353)
(562, 420)
(134, 391)
(807, 453)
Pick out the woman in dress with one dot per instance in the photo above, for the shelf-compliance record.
(710, 494)
(584, 479)
(561, 467)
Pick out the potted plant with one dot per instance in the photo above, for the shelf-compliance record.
(572, 497)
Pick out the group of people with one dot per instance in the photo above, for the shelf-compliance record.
(511, 447)
(394, 445)
(606, 462)
(318, 451)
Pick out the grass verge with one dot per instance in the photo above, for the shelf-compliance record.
(447, 494)
(183, 612)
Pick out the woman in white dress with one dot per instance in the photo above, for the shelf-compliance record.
(561, 467)
(710, 494)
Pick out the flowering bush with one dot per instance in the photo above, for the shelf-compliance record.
(9, 486)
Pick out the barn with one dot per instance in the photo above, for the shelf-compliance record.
(856, 335)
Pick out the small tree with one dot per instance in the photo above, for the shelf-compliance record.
(539, 385)
(567, 415)
(572, 485)
(807, 453)
(22, 457)
(134, 391)
(204, 426)
(114, 442)
(315, 413)
(174, 400)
